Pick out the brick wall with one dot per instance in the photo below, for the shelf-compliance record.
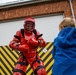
(37, 10)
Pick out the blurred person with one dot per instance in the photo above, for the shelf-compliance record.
(64, 51)
(27, 40)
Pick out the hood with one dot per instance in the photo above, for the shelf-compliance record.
(66, 37)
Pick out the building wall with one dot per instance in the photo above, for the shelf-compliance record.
(38, 9)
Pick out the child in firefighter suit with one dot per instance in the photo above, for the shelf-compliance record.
(64, 52)
(26, 41)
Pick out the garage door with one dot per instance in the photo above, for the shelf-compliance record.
(47, 25)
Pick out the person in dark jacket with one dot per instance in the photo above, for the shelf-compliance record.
(64, 51)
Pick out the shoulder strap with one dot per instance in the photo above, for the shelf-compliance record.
(37, 36)
(22, 32)
(35, 32)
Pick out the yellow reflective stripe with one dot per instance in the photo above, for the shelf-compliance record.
(4, 69)
(7, 64)
(7, 57)
(14, 52)
(49, 58)
(1, 72)
(40, 53)
(29, 73)
(45, 48)
(49, 65)
(38, 48)
(10, 53)
(50, 48)
(50, 72)
(48, 45)
(28, 66)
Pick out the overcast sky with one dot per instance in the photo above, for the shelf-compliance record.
(4, 1)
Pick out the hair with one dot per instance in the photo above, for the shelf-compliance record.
(67, 22)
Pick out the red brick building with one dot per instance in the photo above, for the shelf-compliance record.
(37, 8)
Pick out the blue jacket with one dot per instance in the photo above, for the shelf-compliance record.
(64, 52)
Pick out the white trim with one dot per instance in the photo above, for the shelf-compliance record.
(20, 2)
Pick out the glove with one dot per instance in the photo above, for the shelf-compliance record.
(13, 45)
(23, 48)
(33, 42)
(19, 47)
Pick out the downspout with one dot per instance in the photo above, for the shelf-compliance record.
(73, 16)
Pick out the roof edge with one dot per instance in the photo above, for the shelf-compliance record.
(20, 3)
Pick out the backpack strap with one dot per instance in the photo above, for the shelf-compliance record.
(37, 36)
(35, 32)
(22, 32)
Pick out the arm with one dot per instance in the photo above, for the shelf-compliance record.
(15, 43)
(37, 41)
